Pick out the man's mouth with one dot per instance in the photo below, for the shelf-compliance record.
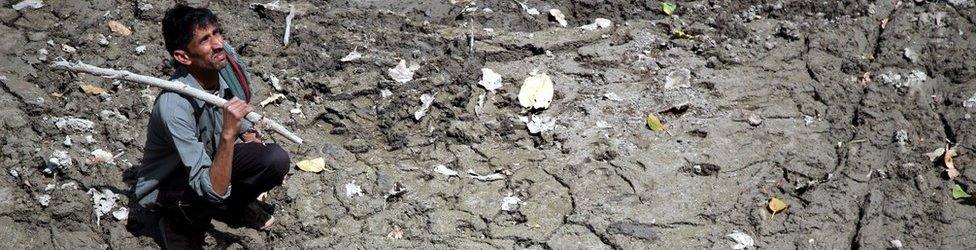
(220, 56)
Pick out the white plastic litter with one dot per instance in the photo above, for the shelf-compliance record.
(76, 124)
(490, 80)
(441, 169)
(680, 78)
(103, 202)
(539, 124)
(401, 73)
(558, 15)
(742, 240)
(351, 56)
(141, 49)
(353, 190)
(536, 92)
(489, 177)
(33, 4)
(510, 203)
(426, 100)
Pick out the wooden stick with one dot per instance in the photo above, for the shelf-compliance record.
(175, 87)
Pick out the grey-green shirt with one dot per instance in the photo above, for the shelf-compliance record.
(182, 135)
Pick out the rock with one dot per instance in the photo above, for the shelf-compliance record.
(742, 240)
(75, 124)
(33, 4)
(599, 23)
(42, 54)
(901, 137)
(558, 15)
(510, 203)
(44, 199)
(67, 141)
(102, 156)
(119, 28)
(59, 159)
(896, 244)
(680, 78)
(911, 55)
(385, 93)
(68, 48)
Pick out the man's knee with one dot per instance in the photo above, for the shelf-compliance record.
(276, 161)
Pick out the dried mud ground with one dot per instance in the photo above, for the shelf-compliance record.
(827, 105)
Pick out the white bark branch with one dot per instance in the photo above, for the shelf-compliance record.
(175, 87)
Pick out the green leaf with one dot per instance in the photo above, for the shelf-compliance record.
(958, 193)
(654, 123)
(668, 7)
(680, 34)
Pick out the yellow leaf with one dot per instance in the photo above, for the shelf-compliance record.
(654, 123)
(93, 90)
(314, 165)
(776, 205)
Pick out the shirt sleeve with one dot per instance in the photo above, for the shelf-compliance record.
(177, 116)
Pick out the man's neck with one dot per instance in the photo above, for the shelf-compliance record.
(208, 79)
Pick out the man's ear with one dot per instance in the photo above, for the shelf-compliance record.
(182, 57)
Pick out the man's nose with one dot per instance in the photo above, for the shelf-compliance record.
(217, 44)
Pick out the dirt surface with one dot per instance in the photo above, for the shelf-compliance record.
(827, 105)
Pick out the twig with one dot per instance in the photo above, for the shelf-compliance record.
(172, 86)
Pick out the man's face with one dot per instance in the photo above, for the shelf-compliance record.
(204, 51)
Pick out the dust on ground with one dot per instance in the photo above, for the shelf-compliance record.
(828, 106)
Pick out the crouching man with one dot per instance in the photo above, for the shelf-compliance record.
(203, 162)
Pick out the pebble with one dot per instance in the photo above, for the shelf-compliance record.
(755, 119)
(44, 199)
(680, 78)
(67, 141)
(141, 49)
(911, 55)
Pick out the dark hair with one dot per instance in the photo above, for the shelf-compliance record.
(180, 22)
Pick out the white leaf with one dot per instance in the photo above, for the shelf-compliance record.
(536, 92)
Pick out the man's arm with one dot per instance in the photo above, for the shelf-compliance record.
(176, 112)
(234, 111)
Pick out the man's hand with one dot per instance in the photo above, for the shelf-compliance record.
(234, 111)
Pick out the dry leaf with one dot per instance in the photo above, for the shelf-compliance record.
(93, 90)
(950, 166)
(536, 92)
(119, 28)
(776, 205)
(314, 165)
(654, 123)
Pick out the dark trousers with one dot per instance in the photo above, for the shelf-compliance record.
(186, 217)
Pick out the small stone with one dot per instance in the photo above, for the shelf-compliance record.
(141, 49)
(897, 244)
(102, 40)
(901, 137)
(558, 15)
(67, 141)
(33, 4)
(807, 120)
(72, 123)
(510, 203)
(44, 199)
(911, 55)
(59, 159)
(121, 214)
(353, 190)
(385, 93)
(755, 119)
(680, 78)
(68, 49)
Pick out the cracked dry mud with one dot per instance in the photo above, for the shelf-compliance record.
(792, 99)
